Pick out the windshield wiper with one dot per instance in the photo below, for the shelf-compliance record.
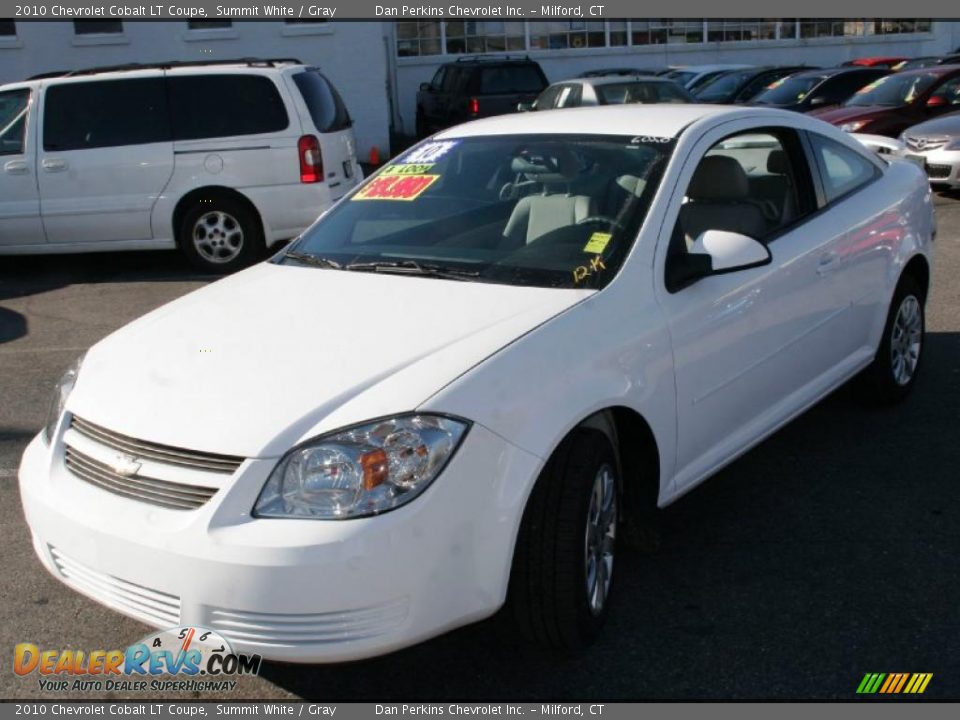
(412, 267)
(314, 260)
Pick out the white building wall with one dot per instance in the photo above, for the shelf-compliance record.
(818, 52)
(352, 54)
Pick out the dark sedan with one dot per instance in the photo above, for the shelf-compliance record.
(740, 86)
(892, 104)
(815, 89)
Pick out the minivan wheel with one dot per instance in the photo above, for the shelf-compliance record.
(220, 235)
(894, 370)
(563, 564)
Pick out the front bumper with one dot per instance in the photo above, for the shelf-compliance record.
(292, 590)
(942, 166)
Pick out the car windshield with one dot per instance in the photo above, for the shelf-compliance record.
(723, 86)
(640, 92)
(892, 90)
(548, 211)
(681, 76)
(787, 91)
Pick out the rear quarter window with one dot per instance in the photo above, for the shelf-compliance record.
(327, 109)
(211, 106)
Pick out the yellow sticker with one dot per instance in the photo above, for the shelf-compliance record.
(597, 242)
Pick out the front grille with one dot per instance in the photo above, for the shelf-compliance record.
(178, 496)
(938, 172)
(165, 454)
(151, 606)
(923, 144)
(309, 629)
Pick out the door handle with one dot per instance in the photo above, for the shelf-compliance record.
(54, 164)
(16, 167)
(827, 263)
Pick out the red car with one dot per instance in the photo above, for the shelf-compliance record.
(893, 103)
(887, 62)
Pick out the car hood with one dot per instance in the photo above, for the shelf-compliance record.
(945, 125)
(251, 364)
(839, 115)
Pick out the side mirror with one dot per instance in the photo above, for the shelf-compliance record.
(524, 107)
(426, 87)
(730, 251)
(818, 101)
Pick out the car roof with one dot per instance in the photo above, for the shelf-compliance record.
(937, 70)
(831, 72)
(615, 80)
(710, 68)
(654, 120)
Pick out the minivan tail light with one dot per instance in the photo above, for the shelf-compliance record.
(311, 159)
(474, 106)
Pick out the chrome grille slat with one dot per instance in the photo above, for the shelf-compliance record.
(212, 462)
(157, 492)
(151, 606)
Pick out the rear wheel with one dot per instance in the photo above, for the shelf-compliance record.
(220, 235)
(563, 565)
(893, 372)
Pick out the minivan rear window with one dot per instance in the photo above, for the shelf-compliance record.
(210, 106)
(105, 113)
(327, 110)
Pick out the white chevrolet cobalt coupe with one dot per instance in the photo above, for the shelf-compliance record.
(476, 373)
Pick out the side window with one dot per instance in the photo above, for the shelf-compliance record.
(949, 91)
(755, 183)
(548, 98)
(842, 170)
(569, 96)
(437, 82)
(13, 121)
(107, 113)
(327, 110)
(451, 79)
(245, 105)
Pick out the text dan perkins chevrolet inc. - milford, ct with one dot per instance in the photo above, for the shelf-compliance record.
(485, 11)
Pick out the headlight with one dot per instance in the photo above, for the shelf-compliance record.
(61, 392)
(953, 145)
(359, 471)
(853, 126)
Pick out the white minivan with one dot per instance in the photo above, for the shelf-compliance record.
(219, 159)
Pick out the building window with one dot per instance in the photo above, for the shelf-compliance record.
(97, 27)
(209, 24)
(418, 38)
(561, 34)
(660, 31)
(8, 28)
(483, 36)
(618, 33)
(745, 30)
(861, 28)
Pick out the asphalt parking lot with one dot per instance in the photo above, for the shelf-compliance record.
(828, 552)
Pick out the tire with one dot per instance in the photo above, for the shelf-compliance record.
(220, 235)
(891, 376)
(563, 564)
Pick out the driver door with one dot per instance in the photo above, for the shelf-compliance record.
(749, 345)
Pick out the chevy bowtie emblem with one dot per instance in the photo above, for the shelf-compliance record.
(125, 465)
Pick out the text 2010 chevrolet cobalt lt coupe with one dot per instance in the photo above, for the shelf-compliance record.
(468, 379)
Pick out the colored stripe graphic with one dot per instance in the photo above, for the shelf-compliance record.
(894, 683)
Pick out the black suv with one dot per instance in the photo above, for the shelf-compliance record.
(474, 87)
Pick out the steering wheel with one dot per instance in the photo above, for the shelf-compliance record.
(601, 219)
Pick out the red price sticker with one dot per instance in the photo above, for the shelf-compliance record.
(396, 187)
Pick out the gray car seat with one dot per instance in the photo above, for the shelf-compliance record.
(541, 213)
(719, 199)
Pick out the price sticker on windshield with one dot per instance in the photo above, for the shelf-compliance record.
(396, 187)
(597, 243)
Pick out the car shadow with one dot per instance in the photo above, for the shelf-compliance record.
(824, 552)
(13, 325)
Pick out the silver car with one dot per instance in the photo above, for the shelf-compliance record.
(935, 144)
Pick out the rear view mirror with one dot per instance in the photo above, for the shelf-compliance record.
(818, 101)
(730, 251)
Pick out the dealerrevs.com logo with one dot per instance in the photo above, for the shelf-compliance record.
(196, 658)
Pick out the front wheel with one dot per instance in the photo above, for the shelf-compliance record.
(894, 370)
(220, 235)
(562, 573)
